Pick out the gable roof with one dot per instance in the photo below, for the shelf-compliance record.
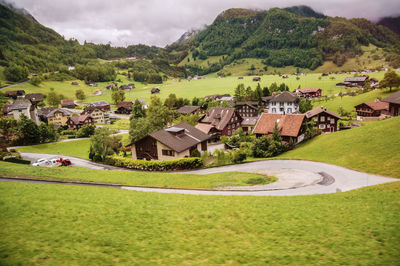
(79, 118)
(20, 104)
(319, 110)
(127, 105)
(288, 125)
(376, 106)
(355, 79)
(68, 102)
(188, 109)
(394, 98)
(99, 104)
(308, 90)
(180, 137)
(59, 110)
(218, 117)
(44, 111)
(251, 104)
(249, 121)
(285, 96)
(36, 97)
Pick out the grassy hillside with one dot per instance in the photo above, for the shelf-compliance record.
(373, 148)
(55, 225)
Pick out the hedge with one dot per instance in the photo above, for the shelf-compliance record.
(16, 160)
(168, 165)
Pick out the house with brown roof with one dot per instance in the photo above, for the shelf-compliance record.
(103, 105)
(308, 92)
(283, 103)
(35, 98)
(77, 121)
(247, 109)
(58, 117)
(189, 109)
(96, 113)
(220, 121)
(14, 94)
(372, 110)
(174, 142)
(69, 103)
(124, 108)
(256, 78)
(290, 126)
(394, 103)
(155, 90)
(324, 119)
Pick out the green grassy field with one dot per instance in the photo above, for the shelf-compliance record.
(58, 225)
(133, 178)
(372, 148)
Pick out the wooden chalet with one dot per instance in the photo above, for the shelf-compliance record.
(175, 142)
(308, 92)
(394, 103)
(249, 123)
(256, 78)
(103, 105)
(76, 122)
(69, 103)
(290, 126)
(372, 110)
(247, 109)
(189, 109)
(124, 108)
(216, 96)
(357, 82)
(324, 119)
(14, 94)
(220, 121)
(155, 90)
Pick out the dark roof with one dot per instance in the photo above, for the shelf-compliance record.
(99, 104)
(319, 110)
(20, 104)
(127, 105)
(218, 117)
(68, 102)
(79, 118)
(288, 125)
(251, 104)
(394, 98)
(36, 97)
(285, 96)
(188, 109)
(180, 137)
(59, 110)
(44, 111)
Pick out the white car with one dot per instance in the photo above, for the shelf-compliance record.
(42, 162)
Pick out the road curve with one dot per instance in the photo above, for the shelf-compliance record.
(334, 178)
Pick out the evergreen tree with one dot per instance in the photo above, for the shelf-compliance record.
(137, 110)
(266, 92)
(239, 93)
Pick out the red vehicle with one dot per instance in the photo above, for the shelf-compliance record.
(64, 162)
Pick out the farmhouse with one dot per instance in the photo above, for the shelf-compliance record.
(24, 107)
(357, 82)
(96, 113)
(394, 103)
(103, 105)
(290, 126)
(43, 112)
(308, 92)
(58, 117)
(76, 122)
(124, 108)
(14, 94)
(130, 86)
(35, 98)
(74, 83)
(189, 109)
(372, 110)
(111, 86)
(70, 103)
(249, 123)
(283, 103)
(220, 121)
(256, 78)
(324, 119)
(247, 109)
(216, 96)
(155, 90)
(175, 142)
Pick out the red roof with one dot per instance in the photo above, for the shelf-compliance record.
(67, 102)
(288, 125)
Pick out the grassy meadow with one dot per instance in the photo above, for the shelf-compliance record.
(372, 148)
(134, 178)
(58, 224)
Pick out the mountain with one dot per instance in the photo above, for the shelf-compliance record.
(295, 36)
(190, 34)
(392, 23)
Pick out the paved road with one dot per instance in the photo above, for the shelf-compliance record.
(13, 85)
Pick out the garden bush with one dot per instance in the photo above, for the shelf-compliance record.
(177, 164)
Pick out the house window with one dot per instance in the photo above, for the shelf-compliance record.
(229, 126)
(273, 103)
(273, 110)
(289, 103)
(315, 119)
(332, 121)
(322, 126)
(289, 110)
(322, 118)
(168, 153)
(229, 132)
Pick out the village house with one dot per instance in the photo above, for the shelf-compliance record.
(394, 103)
(35, 98)
(249, 123)
(216, 96)
(124, 108)
(130, 86)
(58, 117)
(111, 86)
(70, 103)
(155, 90)
(372, 110)
(77, 121)
(103, 105)
(74, 83)
(290, 126)
(175, 142)
(96, 113)
(357, 82)
(247, 109)
(220, 121)
(283, 103)
(324, 119)
(189, 109)
(256, 78)
(25, 107)
(43, 112)
(308, 92)
(14, 94)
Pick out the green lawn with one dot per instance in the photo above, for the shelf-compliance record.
(69, 225)
(134, 178)
(373, 148)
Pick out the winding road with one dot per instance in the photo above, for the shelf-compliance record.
(295, 177)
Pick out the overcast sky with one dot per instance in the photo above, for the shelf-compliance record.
(161, 22)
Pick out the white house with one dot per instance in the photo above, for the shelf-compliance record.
(283, 103)
(24, 106)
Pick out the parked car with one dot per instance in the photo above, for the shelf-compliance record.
(41, 162)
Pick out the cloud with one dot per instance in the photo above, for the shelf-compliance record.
(161, 22)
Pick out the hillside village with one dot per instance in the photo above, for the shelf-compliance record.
(269, 136)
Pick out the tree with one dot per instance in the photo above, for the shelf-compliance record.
(80, 94)
(260, 147)
(273, 87)
(102, 144)
(86, 131)
(15, 73)
(118, 96)
(248, 93)
(53, 99)
(47, 133)
(8, 131)
(258, 94)
(137, 110)
(305, 105)
(36, 80)
(391, 79)
(239, 93)
(266, 92)
(28, 131)
(171, 101)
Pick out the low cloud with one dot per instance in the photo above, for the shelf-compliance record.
(161, 22)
